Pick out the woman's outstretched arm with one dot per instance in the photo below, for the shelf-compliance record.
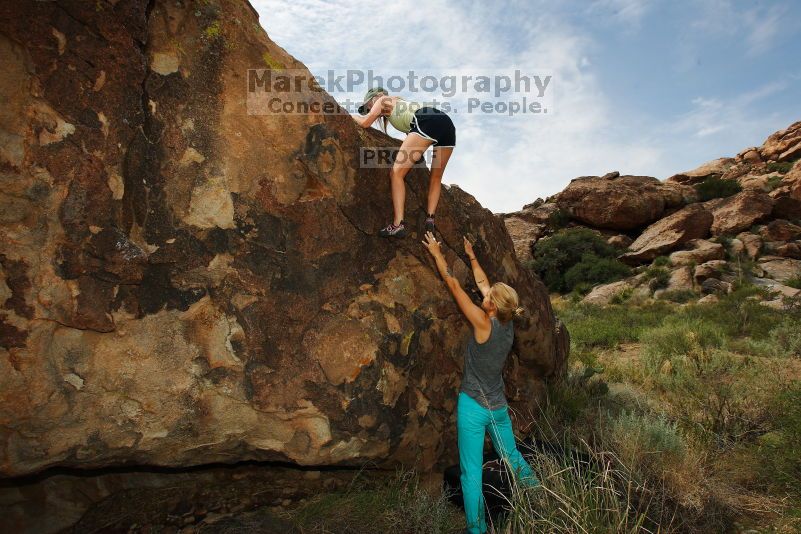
(473, 313)
(482, 281)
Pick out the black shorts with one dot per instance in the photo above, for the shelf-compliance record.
(434, 124)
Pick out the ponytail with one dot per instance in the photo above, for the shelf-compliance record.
(506, 301)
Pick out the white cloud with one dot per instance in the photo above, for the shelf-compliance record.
(628, 13)
(760, 25)
(508, 162)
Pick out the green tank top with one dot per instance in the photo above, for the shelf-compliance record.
(402, 114)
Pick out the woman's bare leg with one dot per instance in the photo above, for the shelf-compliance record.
(438, 163)
(410, 151)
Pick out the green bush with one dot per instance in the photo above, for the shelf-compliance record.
(678, 337)
(794, 282)
(662, 261)
(714, 187)
(396, 504)
(594, 326)
(737, 314)
(554, 256)
(641, 440)
(623, 296)
(780, 451)
(558, 219)
(774, 182)
(599, 495)
(719, 394)
(658, 277)
(679, 296)
(786, 338)
(594, 270)
(782, 167)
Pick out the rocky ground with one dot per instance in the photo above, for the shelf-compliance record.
(753, 234)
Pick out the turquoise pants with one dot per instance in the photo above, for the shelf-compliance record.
(472, 421)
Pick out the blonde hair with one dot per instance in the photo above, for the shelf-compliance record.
(384, 118)
(506, 300)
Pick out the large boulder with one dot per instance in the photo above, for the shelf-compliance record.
(786, 250)
(184, 282)
(780, 230)
(739, 212)
(715, 168)
(691, 222)
(780, 269)
(524, 234)
(603, 295)
(681, 279)
(752, 244)
(787, 195)
(709, 269)
(700, 250)
(783, 145)
(620, 202)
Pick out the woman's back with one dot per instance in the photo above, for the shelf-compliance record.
(403, 113)
(483, 365)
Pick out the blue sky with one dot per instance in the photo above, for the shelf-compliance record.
(651, 87)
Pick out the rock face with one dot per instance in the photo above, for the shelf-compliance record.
(524, 234)
(603, 294)
(780, 269)
(716, 168)
(783, 145)
(700, 251)
(691, 222)
(184, 283)
(739, 212)
(620, 203)
(780, 230)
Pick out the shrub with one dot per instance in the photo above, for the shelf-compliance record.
(594, 270)
(774, 182)
(780, 452)
(786, 338)
(715, 187)
(642, 439)
(553, 257)
(594, 326)
(679, 296)
(737, 314)
(396, 505)
(558, 219)
(579, 290)
(662, 261)
(782, 167)
(723, 395)
(676, 338)
(622, 297)
(794, 282)
(658, 277)
(594, 492)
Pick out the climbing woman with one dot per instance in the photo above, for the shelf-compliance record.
(424, 126)
(481, 405)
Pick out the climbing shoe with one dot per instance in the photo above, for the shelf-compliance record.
(392, 230)
(430, 224)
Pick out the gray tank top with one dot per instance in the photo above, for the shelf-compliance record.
(483, 365)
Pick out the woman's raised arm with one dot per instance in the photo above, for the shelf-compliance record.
(478, 319)
(482, 281)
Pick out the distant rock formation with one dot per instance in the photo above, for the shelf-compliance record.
(646, 218)
(182, 282)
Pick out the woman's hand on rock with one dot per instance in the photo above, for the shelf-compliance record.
(431, 243)
(468, 248)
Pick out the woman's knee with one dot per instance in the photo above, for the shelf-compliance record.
(397, 172)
